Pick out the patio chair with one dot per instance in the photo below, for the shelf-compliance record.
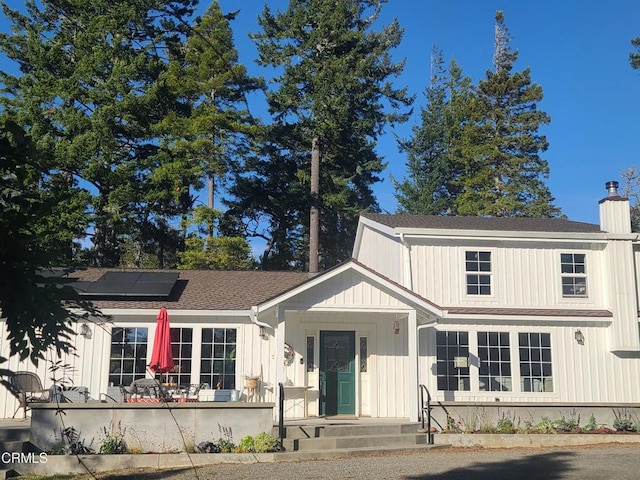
(28, 389)
(147, 389)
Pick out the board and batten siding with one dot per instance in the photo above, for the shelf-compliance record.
(383, 393)
(522, 275)
(586, 373)
(350, 290)
(89, 365)
(382, 253)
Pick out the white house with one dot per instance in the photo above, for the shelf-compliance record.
(527, 311)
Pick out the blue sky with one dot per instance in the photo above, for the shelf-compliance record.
(578, 51)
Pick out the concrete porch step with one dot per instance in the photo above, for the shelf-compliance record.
(14, 433)
(324, 439)
(315, 431)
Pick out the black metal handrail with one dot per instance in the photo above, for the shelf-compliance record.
(425, 411)
(281, 414)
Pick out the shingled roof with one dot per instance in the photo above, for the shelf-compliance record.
(203, 289)
(483, 223)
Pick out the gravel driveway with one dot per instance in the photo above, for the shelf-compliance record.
(600, 462)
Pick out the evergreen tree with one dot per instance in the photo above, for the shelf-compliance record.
(504, 173)
(90, 95)
(39, 217)
(433, 152)
(333, 90)
(634, 57)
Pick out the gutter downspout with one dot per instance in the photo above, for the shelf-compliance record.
(406, 260)
(254, 318)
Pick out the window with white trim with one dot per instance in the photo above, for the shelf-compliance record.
(478, 269)
(573, 268)
(128, 359)
(218, 358)
(182, 350)
(495, 361)
(535, 362)
(452, 367)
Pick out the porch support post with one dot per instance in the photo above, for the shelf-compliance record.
(412, 328)
(279, 355)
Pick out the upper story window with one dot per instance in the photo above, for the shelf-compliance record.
(478, 268)
(574, 274)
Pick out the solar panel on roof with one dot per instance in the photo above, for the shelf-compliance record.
(131, 284)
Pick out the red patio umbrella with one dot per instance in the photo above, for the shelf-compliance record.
(162, 356)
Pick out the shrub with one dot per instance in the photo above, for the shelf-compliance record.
(246, 445)
(264, 442)
(505, 425)
(564, 425)
(113, 441)
(624, 421)
(591, 424)
(544, 426)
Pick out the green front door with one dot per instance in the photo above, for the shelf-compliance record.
(337, 373)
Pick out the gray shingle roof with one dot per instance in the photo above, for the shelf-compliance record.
(483, 223)
(205, 289)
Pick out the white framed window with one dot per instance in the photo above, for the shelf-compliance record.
(452, 367)
(535, 362)
(573, 270)
(128, 359)
(495, 361)
(218, 358)
(501, 365)
(182, 351)
(478, 271)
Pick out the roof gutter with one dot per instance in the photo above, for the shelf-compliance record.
(254, 318)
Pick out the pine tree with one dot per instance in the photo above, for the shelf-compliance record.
(433, 163)
(634, 57)
(333, 90)
(504, 171)
(212, 130)
(89, 93)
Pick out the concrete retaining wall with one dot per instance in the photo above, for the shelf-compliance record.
(151, 427)
(492, 440)
(476, 415)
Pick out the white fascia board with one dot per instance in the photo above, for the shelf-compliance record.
(183, 313)
(389, 231)
(411, 233)
(534, 319)
(354, 309)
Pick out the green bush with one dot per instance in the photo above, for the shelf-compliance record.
(624, 421)
(264, 442)
(113, 441)
(246, 445)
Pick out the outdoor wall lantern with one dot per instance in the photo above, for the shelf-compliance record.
(579, 337)
(85, 331)
(263, 332)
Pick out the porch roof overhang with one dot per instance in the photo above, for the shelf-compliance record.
(400, 293)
